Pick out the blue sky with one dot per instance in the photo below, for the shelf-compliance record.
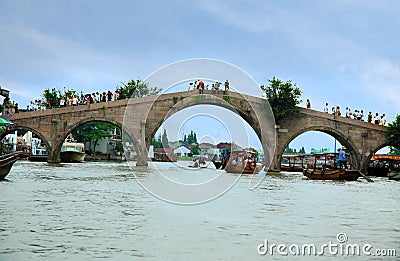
(340, 51)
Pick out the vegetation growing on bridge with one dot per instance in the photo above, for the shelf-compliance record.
(283, 98)
(131, 89)
(52, 96)
(136, 88)
(393, 133)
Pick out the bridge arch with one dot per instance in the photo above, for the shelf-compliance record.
(341, 137)
(256, 113)
(60, 141)
(375, 150)
(34, 131)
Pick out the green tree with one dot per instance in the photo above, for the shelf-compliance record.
(92, 132)
(302, 150)
(51, 96)
(195, 150)
(136, 88)
(164, 139)
(393, 133)
(191, 138)
(283, 98)
(156, 142)
(394, 151)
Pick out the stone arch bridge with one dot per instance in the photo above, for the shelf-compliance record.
(146, 114)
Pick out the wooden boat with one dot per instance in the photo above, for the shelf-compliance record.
(381, 165)
(242, 161)
(6, 162)
(330, 172)
(164, 155)
(294, 163)
(72, 151)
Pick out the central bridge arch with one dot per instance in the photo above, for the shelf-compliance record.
(255, 111)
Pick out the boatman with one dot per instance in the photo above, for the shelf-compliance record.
(342, 157)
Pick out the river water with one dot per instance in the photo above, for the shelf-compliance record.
(98, 211)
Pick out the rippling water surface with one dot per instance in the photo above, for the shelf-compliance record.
(97, 210)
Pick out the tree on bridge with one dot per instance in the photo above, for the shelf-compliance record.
(283, 98)
(393, 133)
(136, 88)
(52, 96)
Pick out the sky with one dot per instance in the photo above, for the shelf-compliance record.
(340, 51)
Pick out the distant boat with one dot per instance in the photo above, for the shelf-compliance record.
(40, 156)
(329, 171)
(293, 163)
(164, 155)
(72, 151)
(243, 161)
(198, 162)
(6, 162)
(381, 165)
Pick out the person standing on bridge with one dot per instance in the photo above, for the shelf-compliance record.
(376, 119)
(326, 108)
(308, 104)
(383, 120)
(369, 117)
(226, 86)
(201, 86)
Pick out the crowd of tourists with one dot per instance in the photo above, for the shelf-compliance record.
(201, 86)
(96, 97)
(64, 101)
(357, 114)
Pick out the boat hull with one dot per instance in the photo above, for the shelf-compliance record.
(6, 163)
(243, 170)
(72, 156)
(332, 174)
(38, 158)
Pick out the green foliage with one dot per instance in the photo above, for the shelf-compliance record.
(175, 99)
(52, 97)
(191, 138)
(156, 142)
(164, 139)
(283, 98)
(136, 88)
(67, 93)
(289, 150)
(195, 150)
(119, 147)
(394, 151)
(93, 131)
(227, 98)
(393, 133)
